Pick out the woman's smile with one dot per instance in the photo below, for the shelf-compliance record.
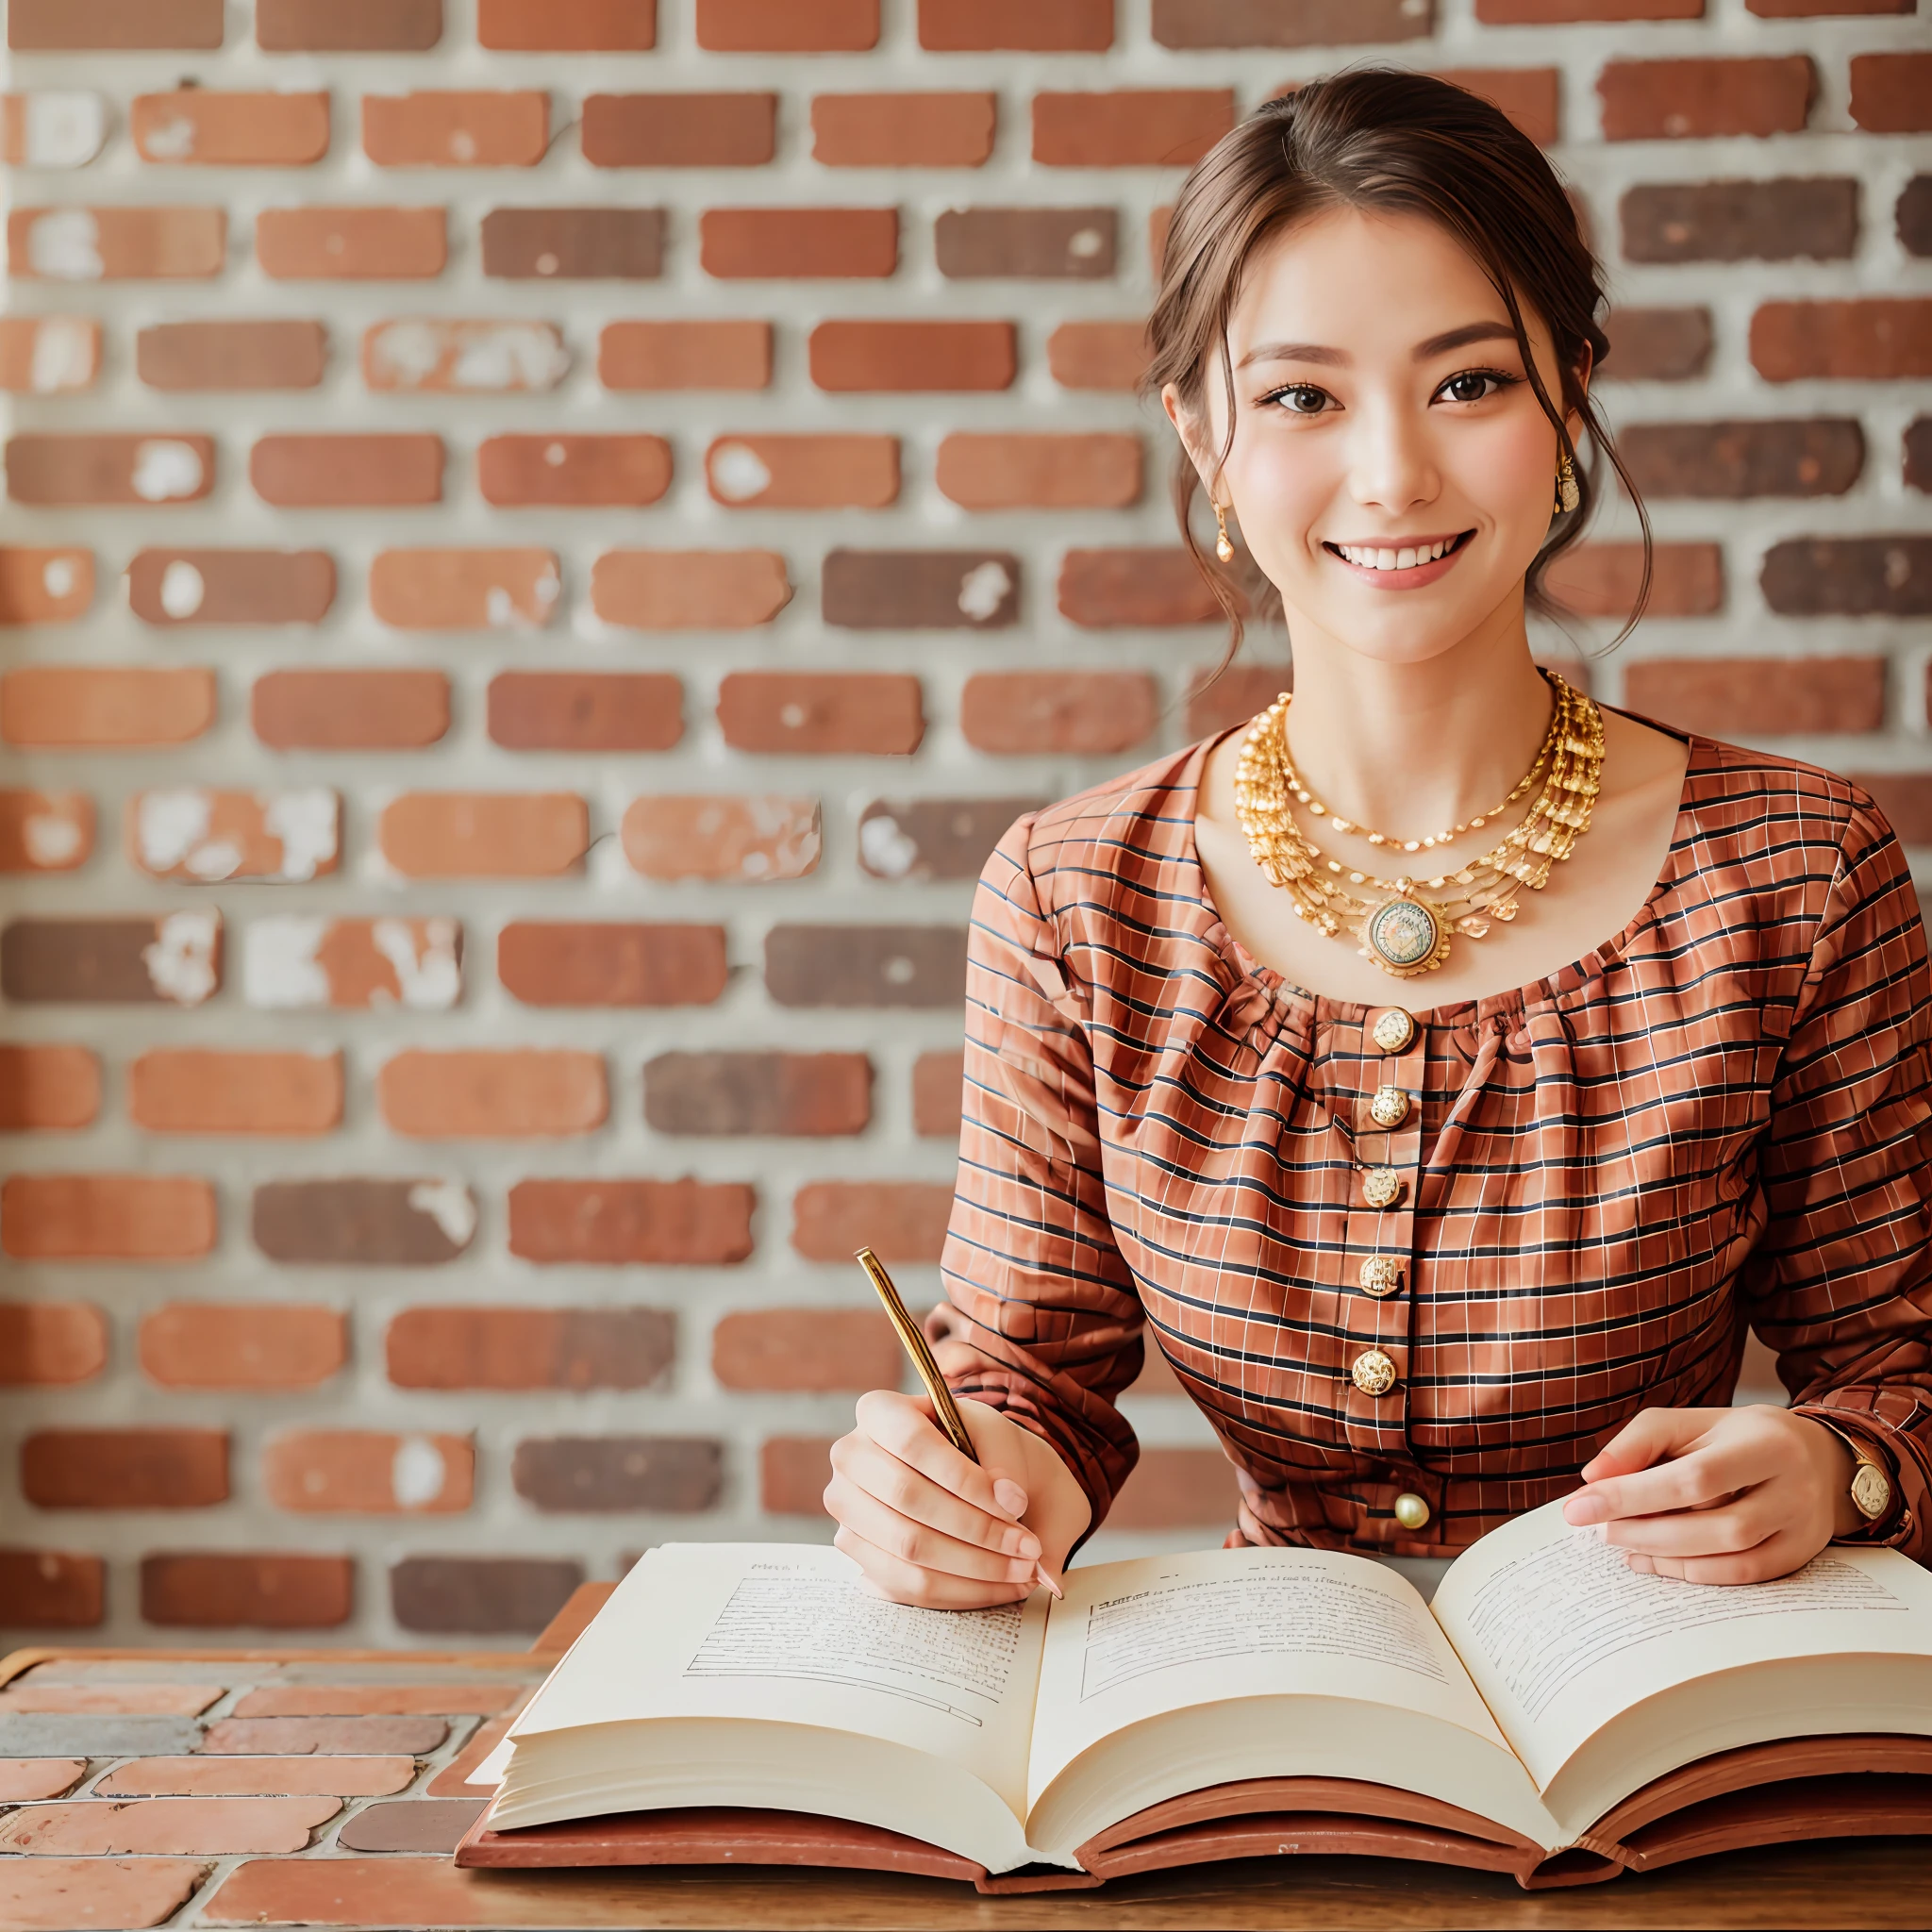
(1406, 566)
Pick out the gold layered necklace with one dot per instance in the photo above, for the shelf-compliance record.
(1406, 924)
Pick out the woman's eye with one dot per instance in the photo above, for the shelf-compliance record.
(1471, 386)
(1300, 399)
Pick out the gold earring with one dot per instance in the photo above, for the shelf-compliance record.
(1224, 545)
(1568, 495)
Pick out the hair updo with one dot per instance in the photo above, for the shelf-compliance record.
(1387, 141)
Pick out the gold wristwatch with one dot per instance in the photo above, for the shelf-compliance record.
(1871, 1484)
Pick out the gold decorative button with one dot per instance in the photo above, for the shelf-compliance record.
(1380, 1275)
(1412, 1510)
(1394, 1030)
(1381, 1187)
(1390, 1108)
(1372, 1373)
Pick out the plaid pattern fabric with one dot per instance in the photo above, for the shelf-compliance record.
(1721, 1117)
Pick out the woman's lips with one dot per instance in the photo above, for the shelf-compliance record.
(1415, 578)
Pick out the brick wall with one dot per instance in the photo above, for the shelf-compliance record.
(547, 538)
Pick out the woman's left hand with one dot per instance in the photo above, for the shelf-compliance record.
(1719, 1496)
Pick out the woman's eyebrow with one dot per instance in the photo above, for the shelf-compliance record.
(1435, 345)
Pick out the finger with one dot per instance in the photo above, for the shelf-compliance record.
(904, 1583)
(905, 1428)
(877, 1473)
(1648, 1437)
(918, 1543)
(1727, 1530)
(1778, 1555)
(1691, 1482)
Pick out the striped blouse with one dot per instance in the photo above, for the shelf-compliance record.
(1721, 1117)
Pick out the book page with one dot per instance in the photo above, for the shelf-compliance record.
(784, 1633)
(1562, 1636)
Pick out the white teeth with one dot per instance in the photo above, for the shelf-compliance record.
(1406, 559)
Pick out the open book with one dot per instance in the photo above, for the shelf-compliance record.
(1552, 1714)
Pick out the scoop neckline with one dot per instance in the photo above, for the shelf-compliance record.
(1512, 1003)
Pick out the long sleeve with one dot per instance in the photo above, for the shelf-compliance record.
(1840, 1284)
(1044, 1300)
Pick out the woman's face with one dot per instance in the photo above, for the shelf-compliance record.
(1381, 413)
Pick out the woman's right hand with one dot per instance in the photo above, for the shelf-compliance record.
(928, 1527)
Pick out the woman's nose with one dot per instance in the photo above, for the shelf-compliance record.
(1391, 467)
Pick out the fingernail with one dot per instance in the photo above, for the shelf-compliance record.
(1010, 1496)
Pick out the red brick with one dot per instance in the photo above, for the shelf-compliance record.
(1103, 590)
(1746, 698)
(124, 1469)
(584, 710)
(788, 26)
(46, 1086)
(347, 27)
(1784, 219)
(574, 243)
(456, 130)
(41, 1588)
(804, 472)
(1178, 1489)
(936, 1081)
(1087, 712)
(1287, 23)
(619, 472)
(902, 1221)
(463, 589)
(574, 26)
(256, 587)
(1036, 243)
(1918, 457)
(243, 1344)
(792, 1475)
(1648, 100)
(249, 1590)
(47, 354)
(51, 1342)
(205, 1826)
(25, 1779)
(913, 355)
(871, 711)
(530, 1348)
(1891, 94)
(106, 1217)
(342, 710)
(928, 131)
(607, 964)
(45, 831)
(78, 471)
(1531, 96)
(1098, 355)
(787, 243)
(303, 963)
(52, 128)
(920, 590)
(372, 472)
(57, 708)
(110, 1699)
(1098, 470)
(386, 245)
(934, 838)
(249, 1777)
(1218, 704)
(1906, 799)
(436, 355)
(1873, 339)
(1028, 26)
(652, 1474)
(485, 834)
(1132, 128)
(1657, 345)
(111, 1892)
(681, 130)
(191, 1089)
(517, 1092)
(120, 25)
(293, 1736)
(364, 1473)
(384, 1699)
(806, 1350)
(1750, 456)
(1601, 579)
(710, 835)
(614, 1223)
(789, 1094)
(231, 355)
(689, 589)
(88, 244)
(174, 960)
(1849, 576)
(725, 354)
(866, 966)
(196, 837)
(216, 129)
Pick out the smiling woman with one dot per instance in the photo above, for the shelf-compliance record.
(1425, 1269)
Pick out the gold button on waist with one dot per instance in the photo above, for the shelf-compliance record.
(1381, 1187)
(1412, 1510)
(1380, 1275)
(1394, 1031)
(1390, 1108)
(1372, 1373)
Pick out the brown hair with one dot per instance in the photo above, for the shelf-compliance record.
(1383, 140)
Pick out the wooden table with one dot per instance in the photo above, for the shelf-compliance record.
(286, 1787)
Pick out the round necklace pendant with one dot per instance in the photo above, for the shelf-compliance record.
(1406, 937)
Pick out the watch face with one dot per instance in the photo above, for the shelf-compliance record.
(1871, 1491)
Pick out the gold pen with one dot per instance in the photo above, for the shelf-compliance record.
(912, 1338)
